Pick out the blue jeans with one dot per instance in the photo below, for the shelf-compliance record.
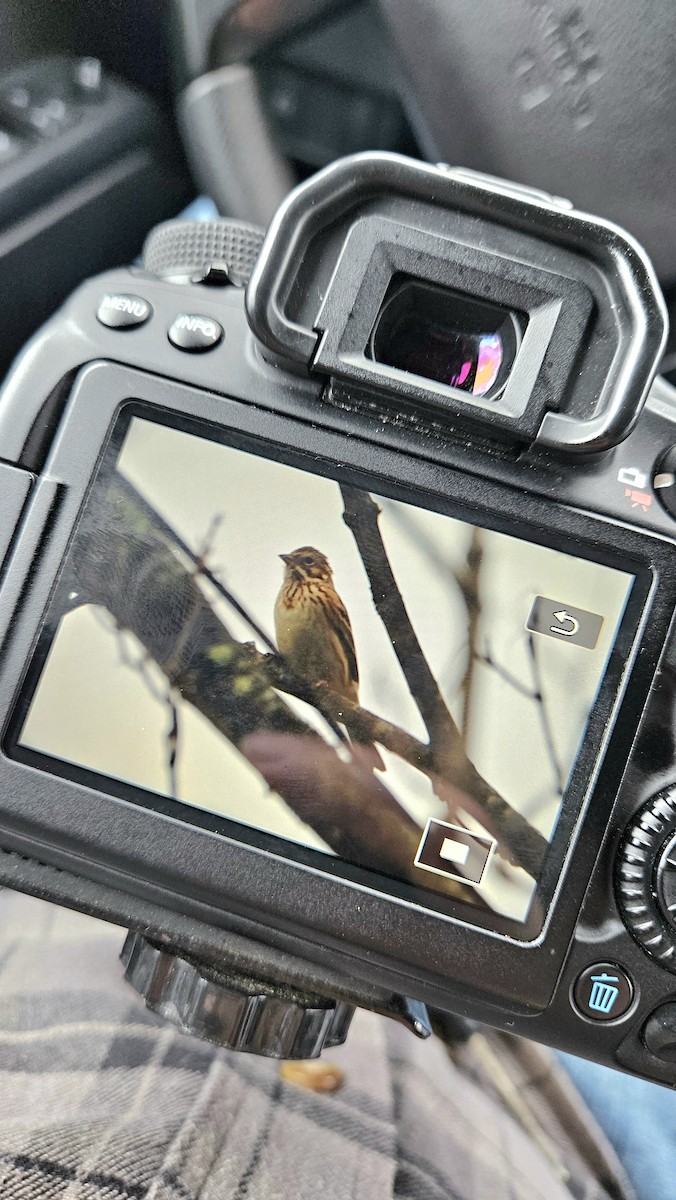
(638, 1118)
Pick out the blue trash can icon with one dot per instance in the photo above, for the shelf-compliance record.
(603, 993)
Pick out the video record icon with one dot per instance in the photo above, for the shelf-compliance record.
(455, 852)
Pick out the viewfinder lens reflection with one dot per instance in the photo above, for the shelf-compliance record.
(447, 337)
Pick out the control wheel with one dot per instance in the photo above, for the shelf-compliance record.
(646, 878)
(211, 252)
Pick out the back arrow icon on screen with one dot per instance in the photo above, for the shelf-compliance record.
(566, 619)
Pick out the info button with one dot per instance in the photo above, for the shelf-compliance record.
(194, 333)
(457, 853)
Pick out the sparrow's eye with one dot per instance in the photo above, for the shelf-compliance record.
(307, 561)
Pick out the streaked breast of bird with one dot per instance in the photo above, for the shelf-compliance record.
(307, 638)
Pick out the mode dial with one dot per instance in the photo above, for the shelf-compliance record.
(646, 877)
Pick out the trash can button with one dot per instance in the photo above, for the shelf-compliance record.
(603, 992)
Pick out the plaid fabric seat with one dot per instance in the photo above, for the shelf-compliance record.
(101, 1101)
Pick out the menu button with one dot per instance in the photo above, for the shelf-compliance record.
(121, 310)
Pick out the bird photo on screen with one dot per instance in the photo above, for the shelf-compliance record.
(313, 629)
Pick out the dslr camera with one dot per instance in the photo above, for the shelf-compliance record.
(336, 611)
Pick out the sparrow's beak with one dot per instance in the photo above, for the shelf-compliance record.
(286, 558)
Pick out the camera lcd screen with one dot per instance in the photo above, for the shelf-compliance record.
(324, 670)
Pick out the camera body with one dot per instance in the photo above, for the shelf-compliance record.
(431, 752)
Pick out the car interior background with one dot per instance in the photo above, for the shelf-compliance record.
(115, 117)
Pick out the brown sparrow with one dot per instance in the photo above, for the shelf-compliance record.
(313, 629)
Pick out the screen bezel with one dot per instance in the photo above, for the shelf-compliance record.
(421, 895)
(411, 929)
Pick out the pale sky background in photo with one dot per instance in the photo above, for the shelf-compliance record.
(93, 708)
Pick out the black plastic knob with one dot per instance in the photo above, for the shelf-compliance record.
(659, 1033)
(216, 252)
(646, 878)
(230, 1009)
(664, 481)
(666, 881)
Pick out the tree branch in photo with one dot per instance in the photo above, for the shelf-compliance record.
(172, 743)
(547, 732)
(536, 694)
(467, 580)
(124, 561)
(463, 787)
(295, 685)
(361, 515)
(447, 758)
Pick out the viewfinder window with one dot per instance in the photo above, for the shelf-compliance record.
(448, 337)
